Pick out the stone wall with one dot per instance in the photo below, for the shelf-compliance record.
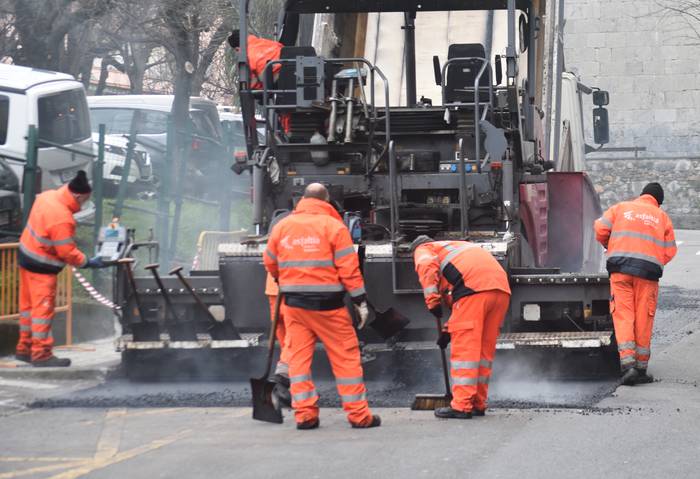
(622, 179)
(645, 54)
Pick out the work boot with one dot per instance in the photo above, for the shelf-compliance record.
(375, 422)
(630, 377)
(644, 378)
(478, 412)
(52, 362)
(310, 424)
(449, 413)
(23, 357)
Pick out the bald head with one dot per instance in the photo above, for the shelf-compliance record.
(318, 191)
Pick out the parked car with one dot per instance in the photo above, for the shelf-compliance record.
(140, 177)
(55, 103)
(207, 155)
(234, 138)
(10, 209)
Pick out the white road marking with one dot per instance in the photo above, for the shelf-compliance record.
(26, 384)
(697, 254)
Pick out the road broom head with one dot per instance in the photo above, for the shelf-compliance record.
(430, 402)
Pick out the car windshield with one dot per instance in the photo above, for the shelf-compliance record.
(202, 124)
(63, 117)
(118, 121)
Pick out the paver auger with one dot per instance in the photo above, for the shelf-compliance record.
(471, 163)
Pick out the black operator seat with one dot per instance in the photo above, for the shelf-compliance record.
(287, 78)
(461, 75)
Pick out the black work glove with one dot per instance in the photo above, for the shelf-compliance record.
(444, 339)
(437, 311)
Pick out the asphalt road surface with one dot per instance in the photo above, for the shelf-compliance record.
(536, 429)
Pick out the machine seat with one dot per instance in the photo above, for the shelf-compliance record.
(461, 75)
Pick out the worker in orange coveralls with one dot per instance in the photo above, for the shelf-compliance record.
(312, 256)
(47, 244)
(640, 240)
(478, 290)
(261, 51)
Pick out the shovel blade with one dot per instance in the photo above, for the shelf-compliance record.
(183, 331)
(223, 331)
(145, 331)
(388, 323)
(265, 405)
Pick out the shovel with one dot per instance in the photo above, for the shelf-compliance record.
(430, 402)
(142, 330)
(388, 323)
(265, 405)
(218, 330)
(178, 329)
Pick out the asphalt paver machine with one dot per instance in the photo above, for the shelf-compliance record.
(473, 163)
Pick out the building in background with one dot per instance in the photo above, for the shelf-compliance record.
(645, 54)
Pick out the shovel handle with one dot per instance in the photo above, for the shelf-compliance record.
(178, 272)
(126, 264)
(443, 357)
(273, 335)
(169, 308)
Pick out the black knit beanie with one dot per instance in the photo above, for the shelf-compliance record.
(655, 190)
(234, 40)
(80, 185)
(419, 241)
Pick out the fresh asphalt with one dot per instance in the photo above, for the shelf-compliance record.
(544, 428)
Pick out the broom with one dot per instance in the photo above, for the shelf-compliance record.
(430, 402)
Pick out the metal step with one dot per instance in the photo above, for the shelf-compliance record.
(565, 340)
(204, 341)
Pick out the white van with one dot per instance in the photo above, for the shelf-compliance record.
(56, 104)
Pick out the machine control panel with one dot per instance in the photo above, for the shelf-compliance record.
(111, 242)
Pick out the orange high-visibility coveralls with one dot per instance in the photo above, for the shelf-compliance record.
(311, 254)
(45, 247)
(640, 240)
(480, 297)
(261, 51)
(271, 291)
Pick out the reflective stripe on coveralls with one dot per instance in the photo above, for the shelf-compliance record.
(633, 309)
(47, 242)
(37, 295)
(334, 329)
(311, 251)
(638, 236)
(458, 266)
(474, 346)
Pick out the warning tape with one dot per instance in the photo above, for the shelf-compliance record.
(94, 294)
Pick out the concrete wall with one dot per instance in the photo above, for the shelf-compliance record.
(646, 56)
